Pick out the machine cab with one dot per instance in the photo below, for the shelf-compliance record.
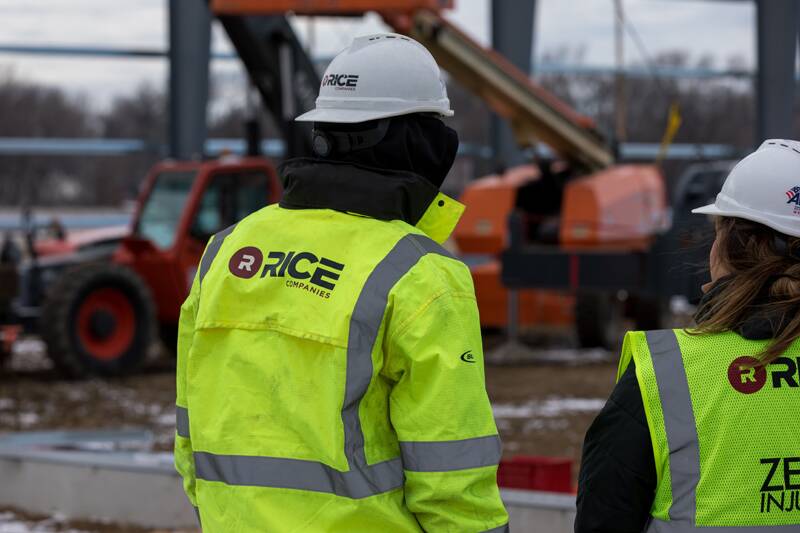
(181, 206)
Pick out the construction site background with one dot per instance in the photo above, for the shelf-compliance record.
(715, 111)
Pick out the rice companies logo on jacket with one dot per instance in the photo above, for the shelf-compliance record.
(315, 275)
(793, 196)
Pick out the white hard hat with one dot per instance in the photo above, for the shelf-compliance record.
(764, 187)
(379, 76)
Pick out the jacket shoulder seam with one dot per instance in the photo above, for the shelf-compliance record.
(406, 323)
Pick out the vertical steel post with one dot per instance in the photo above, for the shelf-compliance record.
(619, 78)
(512, 36)
(189, 55)
(777, 25)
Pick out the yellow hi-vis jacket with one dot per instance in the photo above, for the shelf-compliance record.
(330, 379)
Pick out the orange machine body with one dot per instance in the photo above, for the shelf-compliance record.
(623, 206)
(620, 208)
(482, 234)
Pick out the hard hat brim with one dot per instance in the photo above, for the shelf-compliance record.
(352, 116)
(709, 209)
(782, 226)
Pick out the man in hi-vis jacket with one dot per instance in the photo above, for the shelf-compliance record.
(330, 366)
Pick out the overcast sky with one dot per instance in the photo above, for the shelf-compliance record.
(717, 29)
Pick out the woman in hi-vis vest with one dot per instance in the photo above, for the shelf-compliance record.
(702, 431)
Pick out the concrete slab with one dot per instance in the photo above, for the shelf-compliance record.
(138, 489)
(539, 512)
(43, 473)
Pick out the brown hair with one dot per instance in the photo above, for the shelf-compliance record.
(764, 268)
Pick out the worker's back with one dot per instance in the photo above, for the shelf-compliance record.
(297, 384)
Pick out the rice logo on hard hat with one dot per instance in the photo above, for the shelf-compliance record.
(340, 82)
(745, 376)
(794, 198)
(246, 262)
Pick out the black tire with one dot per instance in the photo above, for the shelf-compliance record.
(598, 319)
(98, 320)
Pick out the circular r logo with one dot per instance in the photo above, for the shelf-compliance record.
(246, 262)
(745, 376)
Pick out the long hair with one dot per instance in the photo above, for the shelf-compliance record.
(764, 268)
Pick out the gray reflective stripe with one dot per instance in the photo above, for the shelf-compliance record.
(365, 323)
(501, 529)
(451, 455)
(300, 475)
(677, 526)
(212, 250)
(182, 421)
(679, 423)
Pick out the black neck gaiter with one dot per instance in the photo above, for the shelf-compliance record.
(414, 143)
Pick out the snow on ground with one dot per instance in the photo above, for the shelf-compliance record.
(548, 408)
(11, 523)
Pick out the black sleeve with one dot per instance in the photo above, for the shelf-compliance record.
(617, 480)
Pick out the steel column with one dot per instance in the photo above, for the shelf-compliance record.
(512, 36)
(777, 26)
(189, 55)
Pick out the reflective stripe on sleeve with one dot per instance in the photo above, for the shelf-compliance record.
(182, 421)
(444, 456)
(365, 324)
(297, 474)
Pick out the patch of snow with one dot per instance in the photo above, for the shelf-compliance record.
(154, 458)
(11, 523)
(27, 420)
(29, 345)
(548, 408)
(165, 419)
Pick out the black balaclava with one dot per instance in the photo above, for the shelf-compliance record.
(415, 143)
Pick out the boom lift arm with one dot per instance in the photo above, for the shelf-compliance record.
(281, 71)
(534, 113)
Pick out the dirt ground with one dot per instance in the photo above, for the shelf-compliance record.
(541, 408)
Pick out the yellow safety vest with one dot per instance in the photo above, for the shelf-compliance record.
(726, 436)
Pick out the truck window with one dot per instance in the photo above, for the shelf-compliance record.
(164, 206)
(229, 197)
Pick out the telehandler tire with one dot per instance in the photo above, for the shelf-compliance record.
(98, 319)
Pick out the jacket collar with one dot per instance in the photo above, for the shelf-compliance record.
(377, 193)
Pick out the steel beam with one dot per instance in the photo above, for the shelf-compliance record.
(777, 25)
(512, 36)
(189, 55)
